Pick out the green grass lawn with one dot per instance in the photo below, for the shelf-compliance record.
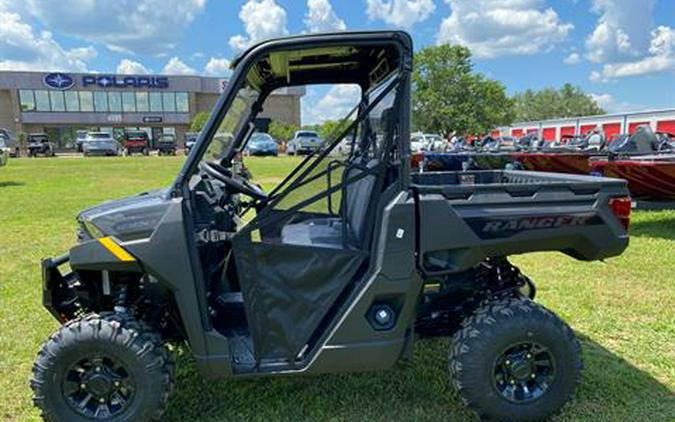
(623, 310)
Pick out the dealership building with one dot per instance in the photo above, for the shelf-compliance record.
(60, 104)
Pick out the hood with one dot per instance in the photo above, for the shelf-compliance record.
(131, 218)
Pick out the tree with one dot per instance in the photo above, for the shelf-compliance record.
(281, 131)
(448, 96)
(198, 121)
(549, 103)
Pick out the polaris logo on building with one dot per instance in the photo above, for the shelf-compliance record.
(111, 81)
(58, 80)
(496, 227)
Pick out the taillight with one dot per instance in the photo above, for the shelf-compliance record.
(621, 209)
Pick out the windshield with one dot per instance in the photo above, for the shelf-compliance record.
(99, 136)
(136, 135)
(261, 137)
(236, 117)
(308, 135)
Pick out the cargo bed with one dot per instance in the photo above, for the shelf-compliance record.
(464, 217)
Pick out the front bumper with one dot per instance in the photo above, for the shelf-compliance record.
(58, 295)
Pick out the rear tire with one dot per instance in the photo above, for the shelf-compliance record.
(515, 360)
(105, 367)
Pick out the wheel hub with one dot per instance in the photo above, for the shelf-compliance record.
(100, 385)
(524, 372)
(98, 388)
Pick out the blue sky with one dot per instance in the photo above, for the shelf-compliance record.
(621, 51)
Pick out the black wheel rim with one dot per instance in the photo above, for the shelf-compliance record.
(524, 372)
(98, 388)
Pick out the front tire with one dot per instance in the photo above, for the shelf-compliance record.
(104, 367)
(515, 360)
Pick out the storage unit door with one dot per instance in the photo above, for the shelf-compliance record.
(586, 128)
(632, 127)
(549, 134)
(667, 126)
(516, 132)
(567, 130)
(611, 129)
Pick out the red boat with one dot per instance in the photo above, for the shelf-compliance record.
(648, 176)
(560, 162)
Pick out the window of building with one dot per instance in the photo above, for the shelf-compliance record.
(42, 100)
(156, 101)
(56, 98)
(27, 100)
(129, 102)
(72, 101)
(115, 102)
(101, 101)
(142, 102)
(182, 103)
(169, 102)
(86, 101)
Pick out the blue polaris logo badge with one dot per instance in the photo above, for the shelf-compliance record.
(58, 80)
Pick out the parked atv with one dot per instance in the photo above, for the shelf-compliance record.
(39, 144)
(166, 144)
(135, 142)
(342, 266)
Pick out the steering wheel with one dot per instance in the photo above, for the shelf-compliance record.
(233, 181)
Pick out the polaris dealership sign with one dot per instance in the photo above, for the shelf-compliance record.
(107, 81)
(64, 81)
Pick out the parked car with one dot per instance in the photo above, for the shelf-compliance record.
(430, 141)
(304, 142)
(190, 140)
(166, 144)
(135, 142)
(308, 286)
(262, 144)
(80, 138)
(39, 144)
(101, 143)
(10, 142)
(4, 152)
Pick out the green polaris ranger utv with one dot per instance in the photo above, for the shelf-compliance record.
(338, 268)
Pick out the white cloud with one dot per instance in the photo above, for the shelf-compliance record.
(22, 48)
(612, 105)
(573, 58)
(142, 26)
(660, 58)
(492, 28)
(176, 67)
(262, 19)
(622, 30)
(401, 13)
(333, 105)
(130, 67)
(321, 17)
(217, 67)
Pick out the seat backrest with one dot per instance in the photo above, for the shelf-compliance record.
(357, 199)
